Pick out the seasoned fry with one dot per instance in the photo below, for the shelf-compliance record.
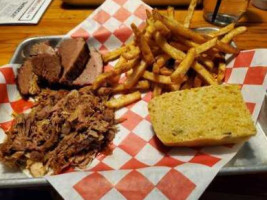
(165, 71)
(228, 37)
(222, 31)
(114, 80)
(160, 62)
(124, 100)
(141, 85)
(197, 82)
(145, 61)
(125, 66)
(188, 84)
(207, 62)
(143, 45)
(226, 48)
(170, 50)
(180, 46)
(206, 46)
(133, 53)
(138, 72)
(221, 72)
(121, 66)
(102, 78)
(174, 87)
(205, 74)
(112, 55)
(129, 72)
(157, 90)
(171, 12)
(179, 55)
(186, 42)
(181, 70)
(159, 26)
(190, 13)
(178, 29)
(157, 78)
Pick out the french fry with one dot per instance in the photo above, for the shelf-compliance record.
(102, 78)
(197, 82)
(118, 88)
(157, 78)
(124, 100)
(206, 46)
(160, 62)
(226, 48)
(114, 80)
(222, 31)
(125, 66)
(168, 49)
(228, 37)
(138, 72)
(205, 74)
(187, 85)
(148, 14)
(128, 73)
(207, 62)
(133, 53)
(221, 72)
(186, 42)
(165, 71)
(142, 85)
(113, 55)
(159, 26)
(179, 46)
(121, 66)
(178, 29)
(143, 45)
(190, 13)
(179, 55)
(174, 87)
(157, 90)
(181, 70)
(171, 12)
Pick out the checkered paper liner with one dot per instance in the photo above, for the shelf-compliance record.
(140, 167)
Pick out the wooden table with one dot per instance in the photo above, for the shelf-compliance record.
(59, 19)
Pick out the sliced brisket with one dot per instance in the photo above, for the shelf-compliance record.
(27, 81)
(94, 67)
(74, 55)
(41, 48)
(47, 67)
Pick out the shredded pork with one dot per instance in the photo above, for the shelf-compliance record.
(64, 129)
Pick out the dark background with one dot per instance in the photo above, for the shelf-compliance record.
(242, 187)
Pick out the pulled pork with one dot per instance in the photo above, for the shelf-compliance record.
(64, 129)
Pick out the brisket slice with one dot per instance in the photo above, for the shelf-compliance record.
(27, 81)
(47, 67)
(94, 67)
(74, 55)
(42, 48)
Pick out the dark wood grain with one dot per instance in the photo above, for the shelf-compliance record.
(60, 18)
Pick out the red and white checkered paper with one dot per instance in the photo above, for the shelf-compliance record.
(140, 167)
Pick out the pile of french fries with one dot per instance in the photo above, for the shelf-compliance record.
(166, 55)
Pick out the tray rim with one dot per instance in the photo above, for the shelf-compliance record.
(36, 182)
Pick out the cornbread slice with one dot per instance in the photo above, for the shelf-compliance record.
(211, 115)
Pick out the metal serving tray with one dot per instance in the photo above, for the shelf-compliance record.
(254, 163)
